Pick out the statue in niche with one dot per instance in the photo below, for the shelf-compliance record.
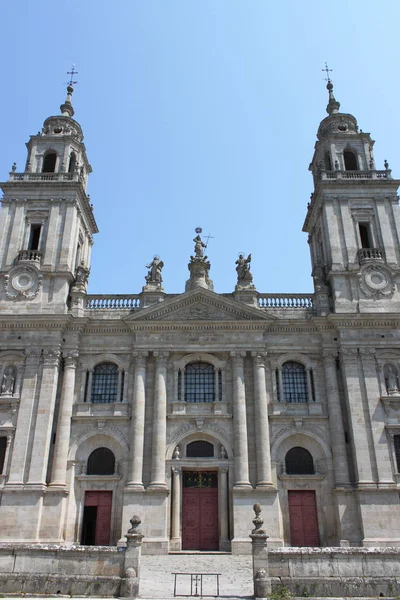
(198, 246)
(155, 268)
(177, 453)
(392, 381)
(243, 269)
(8, 383)
(223, 452)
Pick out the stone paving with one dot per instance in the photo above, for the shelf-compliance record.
(157, 581)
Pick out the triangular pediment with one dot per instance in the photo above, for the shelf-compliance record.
(200, 305)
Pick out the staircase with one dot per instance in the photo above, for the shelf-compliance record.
(156, 580)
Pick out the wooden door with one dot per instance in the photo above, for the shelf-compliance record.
(103, 503)
(303, 519)
(200, 515)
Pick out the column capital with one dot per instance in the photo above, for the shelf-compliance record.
(140, 358)
(32, 356)
(176, 471)
(367, 354)
(71, 360)
(238, 357)
(161, 357)
(329, 355)
(223, 470)
(349, 354)
(259, 358)
(51, 357)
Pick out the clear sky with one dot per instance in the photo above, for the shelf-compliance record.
(199, 113)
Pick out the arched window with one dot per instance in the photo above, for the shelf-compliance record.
(350, 161)
(104, 383)
(49, 163)
(200, 449)
(101, 462)
(199, 382)
(3, 447)
(298, 461)
(72, 162)
(294, 380)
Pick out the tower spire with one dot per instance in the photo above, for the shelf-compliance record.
(333, 104)
(66, 108)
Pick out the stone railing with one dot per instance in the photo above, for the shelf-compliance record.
(44, 176)
(286, 301)
(30, 256)
(370, 254)
(386, 174)
(113, 302)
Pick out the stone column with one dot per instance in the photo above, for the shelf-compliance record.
(280, 390)
(240, 422)
(376, 417)
(137, 422)
(223, 507)
(44, 421)
(263, 454)
(89, 386)
(309, 385)
(176, 503)
(338, 443)
(24, 421)
(7, 455)
(159, 439)
(63, 431)
(358, 423)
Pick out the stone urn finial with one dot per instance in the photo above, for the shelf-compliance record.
(135, 522)
(258, 521)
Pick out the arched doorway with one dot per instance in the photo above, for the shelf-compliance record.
(200, 510)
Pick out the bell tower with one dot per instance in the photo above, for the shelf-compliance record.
(353, 220)
(47, 222)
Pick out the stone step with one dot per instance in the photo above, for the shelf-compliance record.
(157, 581)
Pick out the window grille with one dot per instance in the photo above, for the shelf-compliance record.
(200, 479)
(278, 387)
(199, 382)
(294, 379)
(396, 441)
(298, 461)
(101, 462)
(200, 449)
(220, 386)
(104, 384)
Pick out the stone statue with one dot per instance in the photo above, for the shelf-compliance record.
(177, 453)
(198, 246)
(8, 383)
(155, 268)
(243, 269)
(392, 385)
(222, 451)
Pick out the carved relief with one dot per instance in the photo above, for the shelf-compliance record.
(376, 281)
(23, 283)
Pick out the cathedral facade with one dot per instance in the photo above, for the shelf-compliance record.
(186, 409)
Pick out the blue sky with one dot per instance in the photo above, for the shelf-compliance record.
(199, 113)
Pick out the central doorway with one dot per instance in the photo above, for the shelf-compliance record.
(200, 510)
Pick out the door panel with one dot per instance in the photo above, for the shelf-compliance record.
(304, 529)
(102, 524)
(200, 519)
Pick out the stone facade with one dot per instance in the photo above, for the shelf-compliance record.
(291, 401)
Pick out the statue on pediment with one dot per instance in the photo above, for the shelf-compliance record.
(198, 246)
(155, 268)
(243, 270)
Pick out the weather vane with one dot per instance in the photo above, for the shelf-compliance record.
(327, 78)
(199, 230)
(72, 72)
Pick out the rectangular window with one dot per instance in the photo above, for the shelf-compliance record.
(34, 237)
(365, 235)
(396, 441)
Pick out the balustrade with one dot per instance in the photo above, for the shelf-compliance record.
(385, 174)
(369, 254)
(75, 176)
(286, 301)
(111, 302)
(30, 255)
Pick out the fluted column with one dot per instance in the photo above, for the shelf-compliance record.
(338, 442)
(263, 453)
(137, 422)
(24, 423)
(223, 504)
(176, 503)
(159, 439)
(63, 432)
(240, 421)
(45, 414)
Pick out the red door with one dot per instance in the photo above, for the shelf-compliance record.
(200, 519)
(97, 518)
(303, 519)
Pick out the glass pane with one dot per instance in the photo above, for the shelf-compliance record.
(105, 383)
(294, 382)
(199, 382)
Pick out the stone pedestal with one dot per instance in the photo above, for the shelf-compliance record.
(199, 268)
(131, 579)
(259, 549)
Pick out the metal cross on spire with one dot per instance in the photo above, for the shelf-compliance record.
(72, 72)
(327, 78)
